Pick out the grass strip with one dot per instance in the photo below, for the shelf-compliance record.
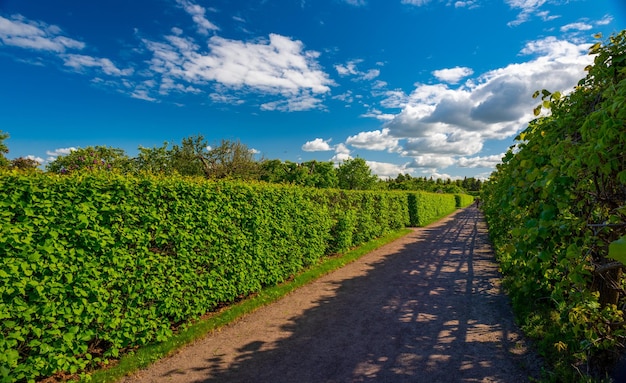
(149, 354)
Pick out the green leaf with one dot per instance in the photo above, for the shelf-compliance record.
(617, 250)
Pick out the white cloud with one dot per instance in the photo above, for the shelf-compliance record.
(20, 32)
(278, 66)
(142, 94)
(580, 26)
(60, 151)
(375, 140)
(470, 4)
(480, 162)
(226, 99)
(439, 125)
(498, 103)
(294, 104)
(81, 61)
(606, 20)
(356, 3)
(418, 3)
(346, 97)
(350, 69)
(317, 145)
(53, 154)
(430, 162)
(527, 8)
(39, 160)
(197, 14)
(385, 170)
(453, 75)
(458, 143)
(342, 153)
(377, 114)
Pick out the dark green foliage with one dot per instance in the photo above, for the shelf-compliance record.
(355, 174)
(311, 173)
(406, 182)
(554, 206)
(4, 149)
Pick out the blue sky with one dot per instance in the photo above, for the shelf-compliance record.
(425, 87)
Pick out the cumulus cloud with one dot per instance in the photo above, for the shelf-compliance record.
(440, 125)
(317, 145)
(430, 161)
(278, 66)
(498, 103)
(342, 153)
(53, 154)
(38, 160)
(385, 169)
(374, 140)
(480, 162)
(60, 151)
(453, 75)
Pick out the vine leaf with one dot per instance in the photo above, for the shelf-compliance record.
(617, 250)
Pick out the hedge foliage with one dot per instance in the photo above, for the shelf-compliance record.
(425, 208)
(92, 264)
(554, 207)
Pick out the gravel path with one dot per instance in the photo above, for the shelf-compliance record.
(425, 308)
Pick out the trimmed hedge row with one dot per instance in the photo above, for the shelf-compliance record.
(93, 264)
(425, 208)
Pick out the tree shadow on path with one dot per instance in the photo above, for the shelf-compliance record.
(433, 311)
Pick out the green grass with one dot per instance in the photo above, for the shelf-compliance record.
(147, 355)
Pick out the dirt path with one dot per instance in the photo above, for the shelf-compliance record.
(425, 308)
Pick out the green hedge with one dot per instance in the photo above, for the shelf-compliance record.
(425, 208)
(463, 200)
(93, 264)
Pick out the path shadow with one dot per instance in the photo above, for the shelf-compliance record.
(430, 312)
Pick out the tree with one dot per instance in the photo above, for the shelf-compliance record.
(24, 163)
(91, 158)
(187, 158)
(355, 174)
(231, 159)
(154, 160)
(4, 162)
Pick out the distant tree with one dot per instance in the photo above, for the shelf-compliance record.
(274, 171)
(154, 160)
(91, 158)
(187, 158)
(25, 164)
(322, 174)
(231, 159)
(355, 174)
(4, 149)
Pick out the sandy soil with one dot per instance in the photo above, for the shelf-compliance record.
(425, 308)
